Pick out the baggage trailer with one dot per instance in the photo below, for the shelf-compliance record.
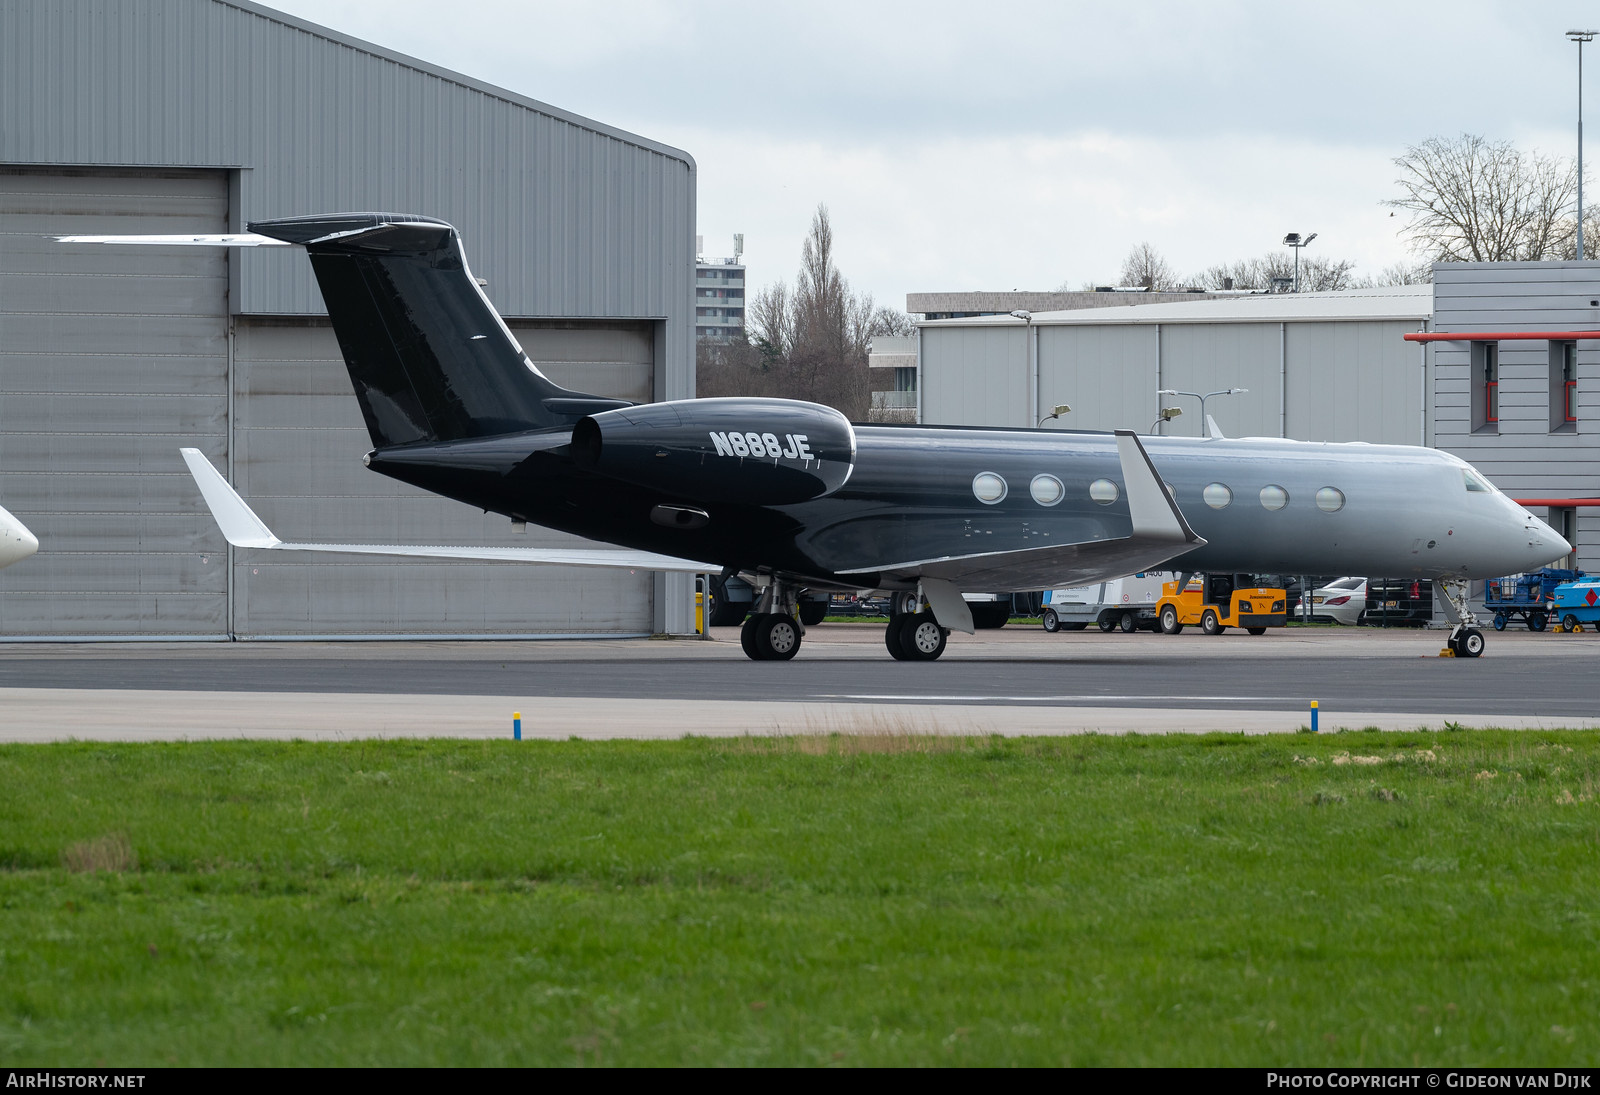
(1526, 597)
(1577, 603)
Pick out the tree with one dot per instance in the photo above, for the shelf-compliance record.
(1474, 200)
(1318, 274)
(1145, 267)
(808, 342)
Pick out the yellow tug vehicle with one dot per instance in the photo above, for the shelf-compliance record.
(1216, 602)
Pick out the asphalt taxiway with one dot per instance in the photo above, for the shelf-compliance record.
(1015, 680)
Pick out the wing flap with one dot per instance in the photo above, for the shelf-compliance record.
(242, 528)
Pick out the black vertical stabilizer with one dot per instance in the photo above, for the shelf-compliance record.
(429, 357)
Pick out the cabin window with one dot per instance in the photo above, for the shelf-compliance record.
(989, 487)
(1475, 482)
(1330, 499)
(1103, 491)
(1486, 386)
(1563, 387)
(1047, 490)
(1274, 497)
(1217, 496)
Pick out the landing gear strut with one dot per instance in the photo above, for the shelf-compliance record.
(773, 631)
(1466, 638)
(915, 635)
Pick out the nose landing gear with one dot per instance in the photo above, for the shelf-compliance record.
(1466, 638)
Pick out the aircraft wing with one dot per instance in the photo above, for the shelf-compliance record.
(1160, 533)
(243, 528)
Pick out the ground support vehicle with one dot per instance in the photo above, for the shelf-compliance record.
(1217, 602)
(1125, 604)
(1577, 603)
(1527, 597)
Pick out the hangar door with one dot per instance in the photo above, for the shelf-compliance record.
(299, 439)
(110, 358)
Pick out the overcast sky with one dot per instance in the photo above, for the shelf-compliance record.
(1022, 145)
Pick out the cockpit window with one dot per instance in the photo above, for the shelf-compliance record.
(1475, 482)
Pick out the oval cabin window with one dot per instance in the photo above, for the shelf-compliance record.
(1330, 499)
(988, 487)
(1274, 497)
(1047, 490)
(1103, 491)
(1217, 496)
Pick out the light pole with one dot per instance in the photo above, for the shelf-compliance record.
(1580, 37)
(1167, 415)
(1055, 412)
(1202, 399)
(1293, 240)
(1027, 349)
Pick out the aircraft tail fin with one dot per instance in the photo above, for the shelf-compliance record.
(430, 358)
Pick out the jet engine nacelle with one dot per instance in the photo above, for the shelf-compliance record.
(756, 451)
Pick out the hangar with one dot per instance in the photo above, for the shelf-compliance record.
(174, 116)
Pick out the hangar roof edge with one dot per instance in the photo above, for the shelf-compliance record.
(1390, 302)
(276, 16)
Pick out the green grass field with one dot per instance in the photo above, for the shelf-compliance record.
(1355, 898)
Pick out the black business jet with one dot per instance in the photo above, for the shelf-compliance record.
(792, 496)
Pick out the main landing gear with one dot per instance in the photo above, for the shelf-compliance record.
(1466, 639)
(915, 636)
(772, 633)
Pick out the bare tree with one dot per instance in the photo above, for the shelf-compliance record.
(1146, 267)
(1474, 200)
(810, 342)
(891, 321)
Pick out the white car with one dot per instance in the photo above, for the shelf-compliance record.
(1343, 601)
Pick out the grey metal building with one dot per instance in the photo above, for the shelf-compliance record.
(1318, 366)
(197, 116)
(1524, 411)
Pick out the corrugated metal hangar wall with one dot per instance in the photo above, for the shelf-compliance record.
(196, 116)
(1315, 379)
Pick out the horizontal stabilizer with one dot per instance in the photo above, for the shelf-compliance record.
(242, 528)
(238, 239)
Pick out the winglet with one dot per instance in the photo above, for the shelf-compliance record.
(1214, 431)
(1155, 513)
(238, 522)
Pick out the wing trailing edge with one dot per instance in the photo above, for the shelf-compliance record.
(242, 528)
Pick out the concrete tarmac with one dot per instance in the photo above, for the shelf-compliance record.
(1012, 681)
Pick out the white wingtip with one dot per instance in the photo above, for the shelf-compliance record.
(1213, 431)
(233, 239)
(238, 522)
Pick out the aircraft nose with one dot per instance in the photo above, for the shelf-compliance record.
(16, 542)
(1545, 544)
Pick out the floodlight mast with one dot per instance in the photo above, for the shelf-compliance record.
(1580, 37)
(1294, 240)
(1202, 398)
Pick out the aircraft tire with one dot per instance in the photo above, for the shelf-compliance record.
(777, 636)
(923, 638)
(1209, 623)
(1050, 621)
(813, 612)
(747, 639)
(1129, 623)
(1108, 623)
(1169, 621)
(1470, 644)
(1256, 630)
(892, 638)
